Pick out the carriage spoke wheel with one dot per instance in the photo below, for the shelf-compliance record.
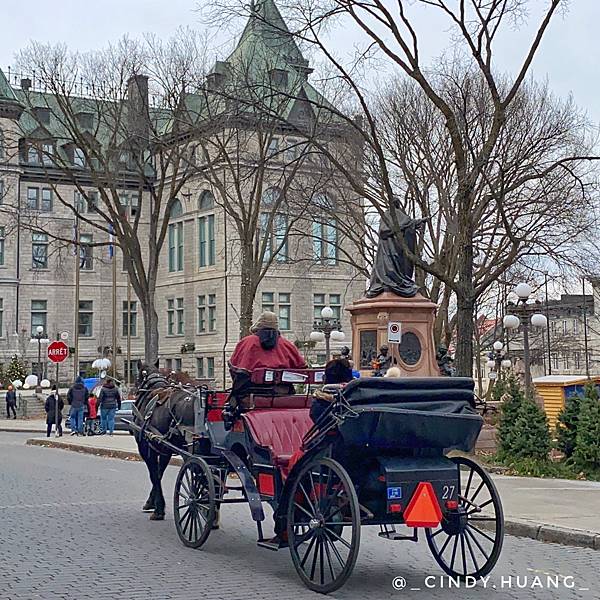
(323, 525)
(469, 540)
(194, 502)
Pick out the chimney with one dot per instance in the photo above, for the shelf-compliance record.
(138, 109)
(26, 84)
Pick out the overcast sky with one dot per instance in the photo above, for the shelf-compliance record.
(569, 57)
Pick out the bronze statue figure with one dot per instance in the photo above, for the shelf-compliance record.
(393, 270)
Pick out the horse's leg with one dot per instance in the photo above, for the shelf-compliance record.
(145, 450)
(159, 500)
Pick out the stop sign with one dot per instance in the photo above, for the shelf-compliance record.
(58, 352)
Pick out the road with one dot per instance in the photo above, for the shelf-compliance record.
(71, 528)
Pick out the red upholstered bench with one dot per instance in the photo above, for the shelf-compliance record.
(281, 431)
(294, 401)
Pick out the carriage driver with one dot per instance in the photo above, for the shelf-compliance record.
(264, 348)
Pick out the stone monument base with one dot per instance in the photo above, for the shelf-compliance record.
(416, 354)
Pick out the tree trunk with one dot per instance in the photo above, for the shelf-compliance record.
(248, 288)
(465, 296)
(150, 330)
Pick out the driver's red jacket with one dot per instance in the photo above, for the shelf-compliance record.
(250, 355)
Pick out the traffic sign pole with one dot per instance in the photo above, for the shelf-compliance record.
(56, 397)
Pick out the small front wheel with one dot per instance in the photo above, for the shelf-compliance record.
(194, 502)
(323, 525)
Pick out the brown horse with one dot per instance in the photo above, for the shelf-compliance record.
(162, 407)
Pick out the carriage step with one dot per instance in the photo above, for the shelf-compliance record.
(394, 536)
(273, 544)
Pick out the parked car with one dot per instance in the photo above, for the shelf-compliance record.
(125, 412)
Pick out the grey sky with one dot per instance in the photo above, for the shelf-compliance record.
(568, 57)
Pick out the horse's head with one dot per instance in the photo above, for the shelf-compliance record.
(144, 370)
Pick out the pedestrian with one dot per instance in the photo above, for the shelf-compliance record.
(52, 417)
(92, 415)
(77, 397)
(108, 402)
(11, 402)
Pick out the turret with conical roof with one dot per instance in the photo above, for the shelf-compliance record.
(10, 107)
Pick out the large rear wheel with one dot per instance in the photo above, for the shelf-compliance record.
(323, 525)
(469, 540)
(194, 502)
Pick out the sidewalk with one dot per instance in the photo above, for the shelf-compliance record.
(549, 510)
(23, 425)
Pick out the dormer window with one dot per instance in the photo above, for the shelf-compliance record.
(215, 81)
(85, 120)
(279, 77)
(42, 115)
(78, 157)
(33, 155)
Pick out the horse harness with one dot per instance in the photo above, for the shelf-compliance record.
(158, 397)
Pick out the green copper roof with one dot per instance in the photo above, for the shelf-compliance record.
(6, 92)
(266, 26)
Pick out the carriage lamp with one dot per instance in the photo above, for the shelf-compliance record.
(327, 329)
(523, 310)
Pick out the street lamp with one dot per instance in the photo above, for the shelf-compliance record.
(39, 336)
(327, 329)
(523, 291)
(497, 361)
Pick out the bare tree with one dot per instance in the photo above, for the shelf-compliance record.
(259, 152)
(470, 105)
(112, 121)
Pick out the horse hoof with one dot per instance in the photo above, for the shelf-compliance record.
(148, 507)
(157, 517)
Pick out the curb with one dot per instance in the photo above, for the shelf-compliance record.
(553, 534)
(104, 452)
(21, 430)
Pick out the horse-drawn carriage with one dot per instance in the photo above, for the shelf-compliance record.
(377, 456)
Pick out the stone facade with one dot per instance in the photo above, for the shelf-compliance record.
(198, 290)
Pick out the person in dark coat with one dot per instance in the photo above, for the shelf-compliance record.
(51, 416)
(11, 402)
(77, 397)
(108, 403)
(338, 372)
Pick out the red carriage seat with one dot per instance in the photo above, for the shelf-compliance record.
(281, 431)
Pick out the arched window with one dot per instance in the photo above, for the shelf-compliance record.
(271, 196)
(324, 230)
(323, 201)
(206, 201)
(274, 226)
(176, 238)
(176, 209)
(206, 231)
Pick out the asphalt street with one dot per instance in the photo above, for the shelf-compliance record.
(71, 527)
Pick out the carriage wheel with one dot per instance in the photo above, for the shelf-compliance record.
(469, 540)
(323, 525)
(194, 502)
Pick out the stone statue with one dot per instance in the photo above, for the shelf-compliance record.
(444, 361)
(393, 270)
(383, 362)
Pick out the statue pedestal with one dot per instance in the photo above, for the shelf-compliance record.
(415, 355)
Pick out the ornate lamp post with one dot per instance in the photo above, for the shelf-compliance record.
(513, 321)
(326, 329)
(498, 361)
(39, 336)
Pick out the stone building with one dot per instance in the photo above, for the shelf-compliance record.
(199, 283)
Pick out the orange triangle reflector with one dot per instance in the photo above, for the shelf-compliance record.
(423, 510)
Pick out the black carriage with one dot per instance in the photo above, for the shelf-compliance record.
(379, 455)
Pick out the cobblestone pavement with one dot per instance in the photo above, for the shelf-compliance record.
(71, 527)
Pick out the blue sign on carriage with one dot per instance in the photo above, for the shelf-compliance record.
(394, 493)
